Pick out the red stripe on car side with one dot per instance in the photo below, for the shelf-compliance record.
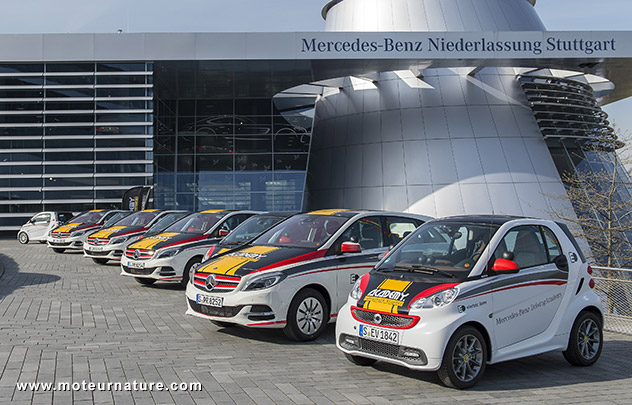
(550, 282)
(302, 258)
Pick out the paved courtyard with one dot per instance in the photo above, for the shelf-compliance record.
(65, 319)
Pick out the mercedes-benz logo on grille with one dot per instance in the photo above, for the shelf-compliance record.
(96, 241)
(136, 254)
(211, 282)
(377, 318)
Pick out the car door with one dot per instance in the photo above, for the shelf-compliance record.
(39, 228)
(370, 232)
(525, 302)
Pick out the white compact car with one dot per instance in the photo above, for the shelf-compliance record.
(73, 234)
(297, 274)
(460, 293)
(38, 227)
(170, 255)
(110, 243)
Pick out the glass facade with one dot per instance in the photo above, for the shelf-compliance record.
(227, 136)
(73, 136)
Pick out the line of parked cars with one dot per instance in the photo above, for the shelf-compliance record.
(449, 295)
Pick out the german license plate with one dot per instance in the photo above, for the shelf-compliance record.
(58, 240)
(209, 300)
(91, 248)
(135, 265)
(379, 334)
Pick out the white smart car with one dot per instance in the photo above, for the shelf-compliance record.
(460, 293)
(38, 227)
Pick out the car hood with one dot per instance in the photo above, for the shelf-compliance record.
(385, 292)
(116, 231)
(253, 259)
(75, 226)
(167, 239)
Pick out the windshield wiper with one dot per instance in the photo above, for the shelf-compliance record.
(422, 269)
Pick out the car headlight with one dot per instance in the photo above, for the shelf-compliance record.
(356, 291)
(264, 281)
(438, 300)
(169, 253)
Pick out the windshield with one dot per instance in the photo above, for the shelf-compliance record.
(90, 217)
(199, 222)
(252, 227)
(138, 219)
(166, 220)
(441, 249)
(114, 218)
(303, 230)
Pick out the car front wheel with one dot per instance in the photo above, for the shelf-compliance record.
(464, 359)
(187, 270)
(586, 340)
(307, 316)
(23, 238)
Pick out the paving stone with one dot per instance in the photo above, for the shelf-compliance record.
(64, 318)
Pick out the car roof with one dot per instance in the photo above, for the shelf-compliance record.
(352, 213)
(487, 219)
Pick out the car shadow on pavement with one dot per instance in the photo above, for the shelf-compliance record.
(276, 336)
(548, 370)
(12, 278)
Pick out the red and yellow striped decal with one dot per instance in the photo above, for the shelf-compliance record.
(229, 264)
(149, 243)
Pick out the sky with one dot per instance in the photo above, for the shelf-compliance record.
(89, 16)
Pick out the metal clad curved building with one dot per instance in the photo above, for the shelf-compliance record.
(439, 141)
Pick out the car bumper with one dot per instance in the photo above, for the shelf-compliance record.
(262, 309)
(166, 269)
(113, 252)
(75, 242)
(418, 348)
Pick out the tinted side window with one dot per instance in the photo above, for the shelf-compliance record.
(526, 244)
(42, 219)
(232, 222)
(398, 228)
(365, 231)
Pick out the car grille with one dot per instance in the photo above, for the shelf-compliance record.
(386, 320)
(384, 349)
(224, 312)
(59, 243)
(60, 234)
(97, 253)
(98, 241)
(223, 284)
(142, 254)
(139, 272)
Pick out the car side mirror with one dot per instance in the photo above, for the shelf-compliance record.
(561, 262)
(223, 232)
(504, 266)
(350, 247)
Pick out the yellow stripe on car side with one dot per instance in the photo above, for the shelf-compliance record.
(211, 211)
(325, 212)
(67, 227)
(105, 233)
(229, 264)
(149, 243)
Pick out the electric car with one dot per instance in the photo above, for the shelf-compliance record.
(169, 255)
(110, 243)
(73, 234)
(463, 292)
(38, 227)
(247, 231)
(297, 274)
